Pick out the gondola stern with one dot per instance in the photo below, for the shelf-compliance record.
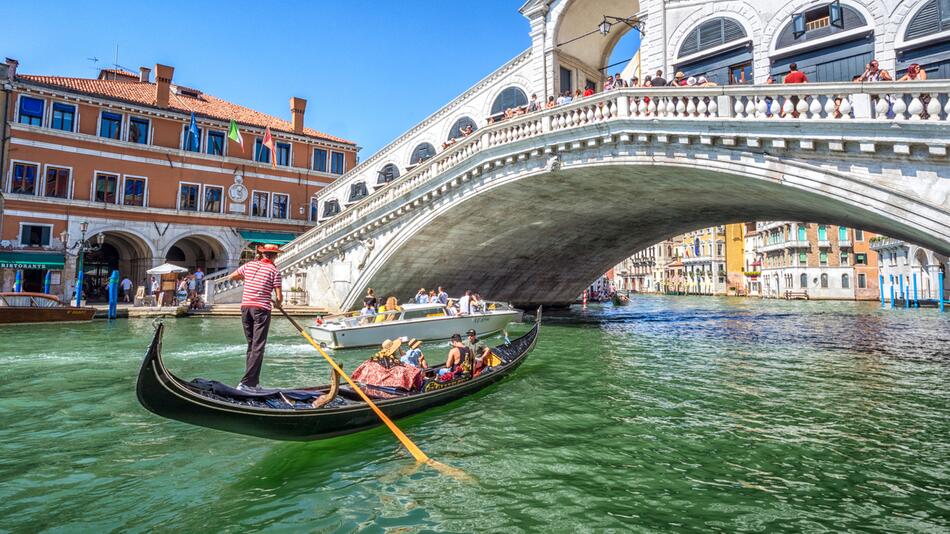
(147, 380)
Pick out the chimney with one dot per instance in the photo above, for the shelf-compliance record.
(163, 81)
(145, 74)
(12, 64)
(297, 108)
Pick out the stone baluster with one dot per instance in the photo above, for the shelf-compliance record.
(701, 108)
(802, 107)
(815, 107)
(750, 108)
(946, 108)
(880, 107)
(691, 110)
(788, 109)
(651, 107)
(898, 106)
(761, 107)
(916, 107)
(739, 108)
(712, 107)
(680, 109)
(933, 107)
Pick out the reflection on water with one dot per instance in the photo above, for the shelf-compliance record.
(668, 414)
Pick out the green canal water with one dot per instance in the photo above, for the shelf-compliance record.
(671, 414)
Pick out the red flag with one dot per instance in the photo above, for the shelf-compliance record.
(269, 143)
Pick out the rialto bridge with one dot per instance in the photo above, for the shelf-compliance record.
(531, 208)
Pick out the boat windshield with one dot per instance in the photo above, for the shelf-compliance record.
(19, 301)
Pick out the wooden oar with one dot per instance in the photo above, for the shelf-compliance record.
(414, 450)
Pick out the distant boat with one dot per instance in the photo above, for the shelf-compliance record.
(620, 300)
(21, 308)
(425, 322)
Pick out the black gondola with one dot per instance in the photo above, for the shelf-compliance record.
(287, 414)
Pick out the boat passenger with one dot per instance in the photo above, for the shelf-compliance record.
(414, 357)
(457, 354)
(392, 305)
(476, 349)
(421, 296)
(465, 303)
(442, 296)
(450, 309)
(370, 299)
(367, 314)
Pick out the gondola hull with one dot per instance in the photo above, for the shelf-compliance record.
(166, 395)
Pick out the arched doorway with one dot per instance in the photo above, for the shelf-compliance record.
(198, 252)
(120, 251)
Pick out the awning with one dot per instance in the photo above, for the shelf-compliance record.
(31, 260)
(267, 238)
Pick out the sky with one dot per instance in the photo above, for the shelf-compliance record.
(369, 70)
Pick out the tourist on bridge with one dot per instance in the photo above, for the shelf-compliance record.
(534, 105)
(873, 73)
(261, 279)
(794, 75)
(658, 80)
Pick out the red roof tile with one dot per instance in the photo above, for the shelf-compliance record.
(205, 105)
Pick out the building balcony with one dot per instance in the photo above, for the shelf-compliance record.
(883, 243)
(793, 243)
(824, 243)
(844, 243)
(697, 259)
(771, 225)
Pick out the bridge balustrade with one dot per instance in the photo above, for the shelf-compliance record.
(879, 101)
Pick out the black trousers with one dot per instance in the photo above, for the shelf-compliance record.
(256, 324)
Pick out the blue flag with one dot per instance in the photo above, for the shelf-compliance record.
(193, 132)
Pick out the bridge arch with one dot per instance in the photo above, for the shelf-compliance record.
(539, 237)
(574, 18)
(510, 96)
(870, 10)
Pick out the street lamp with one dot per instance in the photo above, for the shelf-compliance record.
(81, 247)
(605, 25)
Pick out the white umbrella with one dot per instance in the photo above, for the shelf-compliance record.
(166, 268)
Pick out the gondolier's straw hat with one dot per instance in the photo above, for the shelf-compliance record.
(269, 249)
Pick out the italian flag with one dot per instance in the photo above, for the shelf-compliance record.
(235, 135)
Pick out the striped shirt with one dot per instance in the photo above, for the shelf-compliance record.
(260, 279)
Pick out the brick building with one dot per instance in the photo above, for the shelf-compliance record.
(115, 152)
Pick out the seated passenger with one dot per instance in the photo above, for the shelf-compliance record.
(415, 357)
(366, 314)
(450, 309)
(457, 354)
(392, 305)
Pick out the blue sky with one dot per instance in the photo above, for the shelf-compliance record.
(369, 70)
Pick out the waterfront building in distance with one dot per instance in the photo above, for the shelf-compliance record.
(167, 173)
(909, 272)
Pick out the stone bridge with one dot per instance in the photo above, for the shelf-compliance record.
(531, 208)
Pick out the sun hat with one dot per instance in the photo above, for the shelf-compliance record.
(691, 80)
(679, 75)
(269, 248)
(390, 346)
(414, 343)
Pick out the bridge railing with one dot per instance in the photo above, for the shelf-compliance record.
(878, 101)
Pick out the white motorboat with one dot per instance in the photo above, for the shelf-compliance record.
(425, 322)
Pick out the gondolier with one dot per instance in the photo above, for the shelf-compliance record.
(261, 279)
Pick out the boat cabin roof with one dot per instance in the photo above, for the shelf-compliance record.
(430, 306)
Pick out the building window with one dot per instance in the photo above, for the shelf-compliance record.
(802, 258)
(802, 233)
(320, 160)
(281, 204)
(824, 281)
(845, 257)
(357, 191)
(57, 182)
(331, 208)
(24, 179)
(35, 235)
(138, 130)
(803, 281)
(64, 117)
(710, 34)
(859, 235)
(421, 153)
(509, 98)
(842, 233)
(462, 125)
(336, 163)
(133, 193)
(216, 142)
(190, 142)
(387, 174)
(188, 196)
(213, 196)
(106, 187)
(259, 203)
(823, 258)
(283, 154)
(31, 111)
(822, 233)
(314, 209)
(933, 17)
(862, 281)
(261, 152)
(845, 281)
(860, 259)
(110, 125)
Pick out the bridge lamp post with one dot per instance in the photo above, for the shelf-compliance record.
(81, 247)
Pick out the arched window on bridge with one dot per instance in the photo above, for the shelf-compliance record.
(927, 25)
(388, 173)
(358, 191)
(836, 60)
(421, 153)
(845, 281)
(509, 98)
(460, 125)
(330, 208)
(730, 61)
(803, 281)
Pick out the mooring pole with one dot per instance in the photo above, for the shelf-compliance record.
(880, 288)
